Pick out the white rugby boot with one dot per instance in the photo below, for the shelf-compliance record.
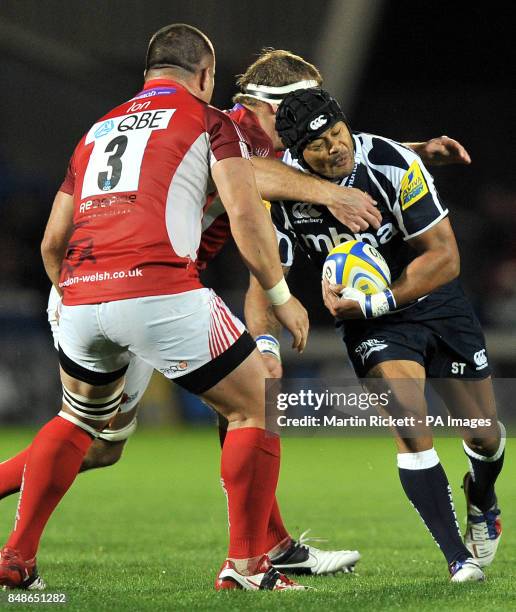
(466, 571)
(301, 558)
(483, 529)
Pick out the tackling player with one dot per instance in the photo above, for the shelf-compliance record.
(265, 82)
(421, 326)
(131, 286)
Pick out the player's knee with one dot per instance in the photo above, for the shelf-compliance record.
(408, 411)
(485, 446)
(102, 454)
(240, 415)
(414, 445)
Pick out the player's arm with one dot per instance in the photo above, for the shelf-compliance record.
(437, 263)
(57, 234)
(277, 181)
(440, 151)
(254, 235)
(421, 217)
(264, 326)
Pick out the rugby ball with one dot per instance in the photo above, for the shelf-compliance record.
(358, 265)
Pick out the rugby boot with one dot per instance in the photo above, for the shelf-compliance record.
(265, 578)
(301, 558)
(483, 529)
(15, 573)
(466, 571)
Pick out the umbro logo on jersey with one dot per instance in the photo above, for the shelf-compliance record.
(364, 349)
(318, 122)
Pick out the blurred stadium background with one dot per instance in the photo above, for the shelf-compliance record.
(406, 70)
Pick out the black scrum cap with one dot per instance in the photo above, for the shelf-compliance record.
(304, 115)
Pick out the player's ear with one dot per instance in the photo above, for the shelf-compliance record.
(204, 79)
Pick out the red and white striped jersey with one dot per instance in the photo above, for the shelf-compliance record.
(140, 178)
(215, 223)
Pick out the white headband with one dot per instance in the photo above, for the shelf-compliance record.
(275, 95)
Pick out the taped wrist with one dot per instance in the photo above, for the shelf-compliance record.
(279, 294)
(268, 345)
(379, 304)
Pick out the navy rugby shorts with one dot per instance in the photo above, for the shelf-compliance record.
(445, 338)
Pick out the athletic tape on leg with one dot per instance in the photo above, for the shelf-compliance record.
(76, 421)
(98, 409)
(118, 435)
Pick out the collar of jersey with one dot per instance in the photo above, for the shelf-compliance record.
(357, 157)
(252, 118)
(358, 148)
(152, 83)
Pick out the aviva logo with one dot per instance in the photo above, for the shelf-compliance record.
(413, 186)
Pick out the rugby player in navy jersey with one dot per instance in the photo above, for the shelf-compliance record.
(421, 326)
(274, 74)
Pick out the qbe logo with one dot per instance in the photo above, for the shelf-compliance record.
(480, 359)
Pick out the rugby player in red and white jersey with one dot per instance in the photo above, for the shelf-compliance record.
(265, 81)
(131, 286)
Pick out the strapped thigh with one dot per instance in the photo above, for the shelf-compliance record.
(97, 409)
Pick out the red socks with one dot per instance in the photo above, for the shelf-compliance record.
(276, 531)
(249, 470)
(53, 461)
(11, 472)
(250, 467)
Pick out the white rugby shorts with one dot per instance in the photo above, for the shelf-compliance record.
(138, 372)
(190, 337)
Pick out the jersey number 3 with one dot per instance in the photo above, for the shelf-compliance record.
(115, 161)
(117, 146)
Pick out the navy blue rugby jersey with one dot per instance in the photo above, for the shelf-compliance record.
(395, 177)
(407, 199)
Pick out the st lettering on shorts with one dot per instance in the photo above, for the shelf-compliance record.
(448, 347)
(191, 338)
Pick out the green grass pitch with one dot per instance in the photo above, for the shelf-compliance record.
(150, 532)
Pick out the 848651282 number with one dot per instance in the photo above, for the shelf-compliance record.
(27, 597)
